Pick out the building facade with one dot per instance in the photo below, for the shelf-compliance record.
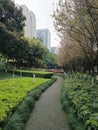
(44, 35)
(54, 50)
(30, 22)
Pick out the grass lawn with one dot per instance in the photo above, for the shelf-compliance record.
(13, 90)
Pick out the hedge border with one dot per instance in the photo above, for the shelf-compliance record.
(30, 74)
(74, 123)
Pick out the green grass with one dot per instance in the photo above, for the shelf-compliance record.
(13, 90)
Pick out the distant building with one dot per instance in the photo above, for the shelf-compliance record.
(44, 35)
(53, 50)
(30, 23)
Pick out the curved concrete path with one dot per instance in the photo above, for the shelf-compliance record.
(48, 113)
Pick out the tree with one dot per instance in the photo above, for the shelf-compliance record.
(70, 56)
(78, 20)
(49, 60)
(11, 16)
(11, 25)
(36, 51)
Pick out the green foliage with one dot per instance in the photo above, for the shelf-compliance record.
(74, 123)
(11, 16)
(11, 26)
(22, 113)
(36, 52)
(13, 45)
(36, 72)
(82, 97)
(15, 123)
(24, 51)
(61, 75)
(41, 74)
(2, 65)
(49, 60)
(4, 76)
(13, 90)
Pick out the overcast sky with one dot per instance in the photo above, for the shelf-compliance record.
(43, 9)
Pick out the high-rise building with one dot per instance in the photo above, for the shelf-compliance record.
(44, 35)
(54, 50)
(30, 22)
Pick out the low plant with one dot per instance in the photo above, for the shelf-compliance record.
(74, 123)
(13, 90)
(61, 75)
(82, 97)
(20, 116)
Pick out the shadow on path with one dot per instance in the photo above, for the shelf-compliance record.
(48, 113)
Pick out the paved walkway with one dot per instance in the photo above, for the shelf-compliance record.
(48, 114)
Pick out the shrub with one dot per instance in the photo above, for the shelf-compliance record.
(26, 73)
(74, 123)
(82, 97)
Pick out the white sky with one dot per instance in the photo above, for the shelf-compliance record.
(42, 10)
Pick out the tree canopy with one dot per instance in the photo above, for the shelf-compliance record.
(11, 17)
(11, 26)
(14, 45)
(77, 21)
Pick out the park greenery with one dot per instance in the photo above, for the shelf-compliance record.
(18, 96)
(29, 73)
(14, 90)
(76, 23)
(36, 72)
(80, 99)
(17, 99)
(17, 52)
(15, 48)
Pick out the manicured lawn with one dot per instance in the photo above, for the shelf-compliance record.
(13, 90)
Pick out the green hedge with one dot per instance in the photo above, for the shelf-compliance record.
(18, 119)
(30, 73)
(81, 98)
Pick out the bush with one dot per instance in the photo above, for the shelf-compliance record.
(74, 123)
(82, 97)
(26, 73)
